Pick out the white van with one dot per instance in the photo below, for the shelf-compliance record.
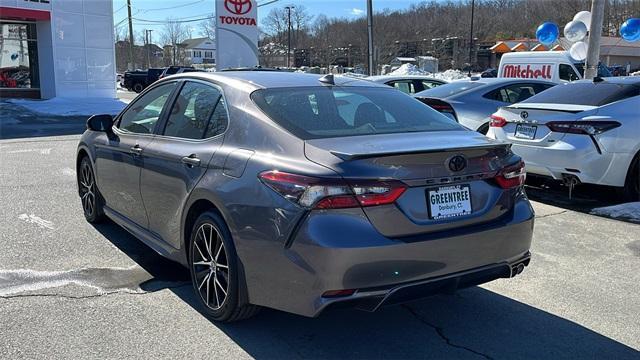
(556, 66)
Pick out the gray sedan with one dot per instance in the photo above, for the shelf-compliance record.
(471, 102)
(299, 192)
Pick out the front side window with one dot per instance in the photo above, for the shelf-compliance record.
(143, 115)
(197, 111)
(567, 73)
(324, 112)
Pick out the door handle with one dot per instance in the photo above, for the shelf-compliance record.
(136, 149)
(191, 160)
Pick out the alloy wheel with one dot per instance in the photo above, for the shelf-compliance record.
(210, 266)
(87, 189)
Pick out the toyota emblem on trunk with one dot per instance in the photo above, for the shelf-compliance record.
(457, 163)
(524, 115)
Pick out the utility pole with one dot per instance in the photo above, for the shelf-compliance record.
(289, 35)
(370, 36)
(595, 33)
(473, 6)
(131, 60)
(148, 36)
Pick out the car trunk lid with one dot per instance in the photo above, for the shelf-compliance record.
(423, 161)
(526, 123)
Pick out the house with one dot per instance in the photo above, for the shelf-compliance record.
(200, 50)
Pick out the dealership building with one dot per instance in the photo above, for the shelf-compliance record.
(57, 48)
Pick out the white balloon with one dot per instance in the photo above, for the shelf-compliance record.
(575, 31)
(585, 17)
(578, 51)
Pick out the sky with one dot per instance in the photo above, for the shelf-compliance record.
(148, 12)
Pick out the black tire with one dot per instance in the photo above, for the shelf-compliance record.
(137, 87)
(92, 201)
(211, 271)
(631, 190)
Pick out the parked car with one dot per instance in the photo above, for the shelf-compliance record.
(582, 132)
(489, 73)
(409, 84)
(172, 70)
(300, 192)
(555, 66)
(139, 80)
(471, 102)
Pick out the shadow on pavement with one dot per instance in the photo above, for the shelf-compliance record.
(474, 323)
(18, 122)
(584, 197)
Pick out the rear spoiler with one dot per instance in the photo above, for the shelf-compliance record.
(356, 156)
(550, 107)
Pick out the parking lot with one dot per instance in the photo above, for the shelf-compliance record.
(69, 289)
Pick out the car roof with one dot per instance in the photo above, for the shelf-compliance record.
(626, 80)
(273, 79)
(383, 78)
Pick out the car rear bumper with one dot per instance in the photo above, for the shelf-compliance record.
(337, 250)
(575, 155)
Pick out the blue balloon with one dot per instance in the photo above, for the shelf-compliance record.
(630, 30)
(547, 33)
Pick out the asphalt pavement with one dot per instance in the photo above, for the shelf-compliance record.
(69, 289)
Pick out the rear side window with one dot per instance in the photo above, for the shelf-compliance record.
(516, 92)
(323, 112)
(450, 89)
(586, 93)
(404, 86)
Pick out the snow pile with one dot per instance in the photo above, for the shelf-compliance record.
(71, 107)
(628, 211)
(450, 75)
(410, 69)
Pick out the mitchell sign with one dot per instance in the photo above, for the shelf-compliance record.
(236, 33)
(535, 71)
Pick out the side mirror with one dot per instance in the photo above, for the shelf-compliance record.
(102, 122)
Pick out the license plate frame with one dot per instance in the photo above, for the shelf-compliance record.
(529, 134)
(449, 209)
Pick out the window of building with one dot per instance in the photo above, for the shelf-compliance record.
(18, 56)
(208, 54)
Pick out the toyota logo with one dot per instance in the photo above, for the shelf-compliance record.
(457, 163)
(238, 7)
(524, 115)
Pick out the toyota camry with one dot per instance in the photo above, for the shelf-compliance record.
(300, 192)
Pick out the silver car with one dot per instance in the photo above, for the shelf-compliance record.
(471, 102)
(408, 84)
(299, 192)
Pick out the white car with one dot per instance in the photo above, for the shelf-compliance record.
(580, 132)
(409, 84)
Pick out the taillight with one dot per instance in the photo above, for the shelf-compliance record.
(582, 127)
(497, 121)
(325, 193)
(512, 176)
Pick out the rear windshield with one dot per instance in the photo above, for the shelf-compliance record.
(585, 93)
(449, 89)
(323, 112)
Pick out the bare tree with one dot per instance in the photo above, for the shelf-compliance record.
(173, 34)
(208, 27)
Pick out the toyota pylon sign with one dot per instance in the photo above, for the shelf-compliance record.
(236, 33)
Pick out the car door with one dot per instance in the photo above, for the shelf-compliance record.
(120, 159)
(178, 157)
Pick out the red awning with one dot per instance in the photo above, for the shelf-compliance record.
(23, 14)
